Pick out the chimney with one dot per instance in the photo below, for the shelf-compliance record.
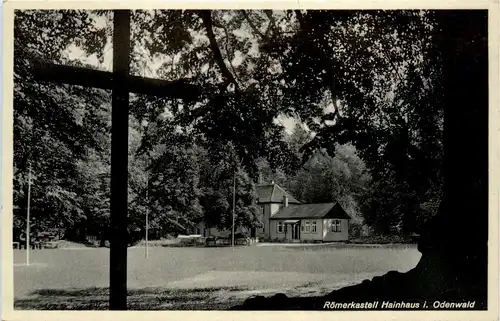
(261, 179)
(285, 200)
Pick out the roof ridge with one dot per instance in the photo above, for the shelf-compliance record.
(320, 203)
(281, 188)
(317, 210)
(284, 190)
(313, 204)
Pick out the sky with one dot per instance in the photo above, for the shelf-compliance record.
(153, 64)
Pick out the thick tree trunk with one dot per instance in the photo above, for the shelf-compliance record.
(459, 234)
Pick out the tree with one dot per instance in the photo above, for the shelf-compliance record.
(222, 176)
(342, 178)
(54, 126)
(172, 185)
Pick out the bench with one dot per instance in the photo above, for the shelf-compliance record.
(35, 245)
(51, 245)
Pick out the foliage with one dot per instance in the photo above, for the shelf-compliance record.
(364, 84)
(56, 128)
(222, 176)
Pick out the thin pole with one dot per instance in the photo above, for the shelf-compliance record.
(147, 208)
(28, 219)
(234, 202)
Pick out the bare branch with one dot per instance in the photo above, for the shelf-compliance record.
(272, 21)
(253, 26)
(327, 62)
(206, 16)
(229, 56)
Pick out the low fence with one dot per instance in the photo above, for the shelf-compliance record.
(36, 245)
(200, 241)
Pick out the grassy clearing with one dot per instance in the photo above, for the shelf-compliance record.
(197, 278)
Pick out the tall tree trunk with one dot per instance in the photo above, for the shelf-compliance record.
(459, 233)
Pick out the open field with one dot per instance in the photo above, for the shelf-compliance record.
(198, 278)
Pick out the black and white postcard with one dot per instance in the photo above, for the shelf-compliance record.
(232, 157)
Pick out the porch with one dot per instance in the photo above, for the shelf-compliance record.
(292, 230)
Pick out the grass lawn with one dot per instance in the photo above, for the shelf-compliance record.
(197, 278)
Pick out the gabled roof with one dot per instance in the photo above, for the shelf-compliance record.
(273, 193)
(321, 210)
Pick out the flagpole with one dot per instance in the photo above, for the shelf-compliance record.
(147, 209)
(28, 219)
(146, 249)
(234, 201)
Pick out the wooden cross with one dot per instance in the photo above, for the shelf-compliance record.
(121, 83)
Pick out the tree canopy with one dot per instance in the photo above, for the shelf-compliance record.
(361, 85)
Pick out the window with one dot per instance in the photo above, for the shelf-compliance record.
(336, 226)
(308, 227)
(280, 226)
(313, 227)
(262, 209)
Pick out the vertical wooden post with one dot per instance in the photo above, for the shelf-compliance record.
(119, 162)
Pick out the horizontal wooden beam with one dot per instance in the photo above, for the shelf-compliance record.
(79, 76)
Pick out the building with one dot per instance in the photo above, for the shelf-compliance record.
(285, 218)
(326, 222)
(271, 199)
